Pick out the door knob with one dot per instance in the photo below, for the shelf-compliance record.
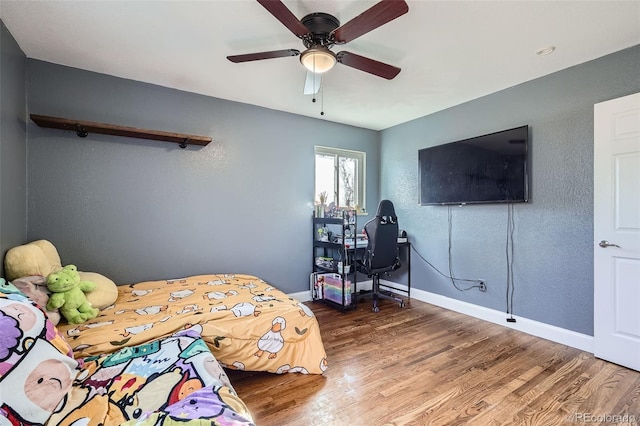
(605, 244)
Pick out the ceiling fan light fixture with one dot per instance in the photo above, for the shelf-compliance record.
(318, 59)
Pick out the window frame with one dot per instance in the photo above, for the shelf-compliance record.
(361, 185)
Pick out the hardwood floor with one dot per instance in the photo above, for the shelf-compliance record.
(424, 365)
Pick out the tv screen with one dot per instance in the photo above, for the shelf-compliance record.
(486, 169)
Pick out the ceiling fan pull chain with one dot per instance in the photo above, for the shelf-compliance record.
(322, 100)
(314, 77)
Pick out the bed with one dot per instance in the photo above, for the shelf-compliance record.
(247, 323)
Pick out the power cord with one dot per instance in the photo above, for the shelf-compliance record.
(509, 252)
(479, 284)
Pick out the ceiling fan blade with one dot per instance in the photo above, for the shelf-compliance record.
(367, 65)
(263, 55)
(312, 83)
(284, 15)
(370, 19)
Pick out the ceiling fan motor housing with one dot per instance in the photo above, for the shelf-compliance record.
(320, 26)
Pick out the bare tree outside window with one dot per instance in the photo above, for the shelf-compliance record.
(346, 184)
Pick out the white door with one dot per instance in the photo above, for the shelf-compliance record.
(616, 256)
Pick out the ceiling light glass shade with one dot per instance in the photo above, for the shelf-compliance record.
(318, 59)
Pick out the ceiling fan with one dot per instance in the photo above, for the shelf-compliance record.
(319, 32)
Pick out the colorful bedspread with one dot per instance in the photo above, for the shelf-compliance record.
(247, 323)
(174, 380)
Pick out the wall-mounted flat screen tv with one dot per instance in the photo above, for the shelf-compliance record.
(485, 169)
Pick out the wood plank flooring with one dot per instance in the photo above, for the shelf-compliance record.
(424, 365)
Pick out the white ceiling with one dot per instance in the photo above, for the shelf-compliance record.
(449, 51)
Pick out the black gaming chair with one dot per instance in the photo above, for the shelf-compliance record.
(381, 255)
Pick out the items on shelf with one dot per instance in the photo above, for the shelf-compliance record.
(332, 211)
(324, 234)
(360, 240)
(335, 240)
(342, 268)
(325, 262)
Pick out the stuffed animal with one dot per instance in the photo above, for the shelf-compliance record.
(67, 293)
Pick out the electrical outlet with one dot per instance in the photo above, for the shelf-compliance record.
(482, 285)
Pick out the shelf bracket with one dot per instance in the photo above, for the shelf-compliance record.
(81, 131)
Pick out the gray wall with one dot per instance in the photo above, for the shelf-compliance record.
(136, 210)
(13, 146)
(553, 239)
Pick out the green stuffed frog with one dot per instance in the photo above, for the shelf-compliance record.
(68, 295)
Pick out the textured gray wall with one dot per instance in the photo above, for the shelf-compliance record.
(553, 240)
(135, 210)
(13, 146)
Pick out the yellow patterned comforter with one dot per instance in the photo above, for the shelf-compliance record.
(247, 323)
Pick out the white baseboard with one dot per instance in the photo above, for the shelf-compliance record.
(302, 296)
(536, 328)
(550, 332)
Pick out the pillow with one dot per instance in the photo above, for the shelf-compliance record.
(35, 258)
(105, 293)
(37, 367)
(35, 288)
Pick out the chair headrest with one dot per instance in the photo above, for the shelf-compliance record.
(385, 208)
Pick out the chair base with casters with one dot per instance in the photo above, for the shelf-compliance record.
(376, 294)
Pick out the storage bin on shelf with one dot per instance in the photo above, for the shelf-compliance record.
(329, 286)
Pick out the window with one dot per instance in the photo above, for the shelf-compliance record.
(340, 174)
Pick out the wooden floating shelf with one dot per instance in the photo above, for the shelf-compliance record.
(83, 128)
